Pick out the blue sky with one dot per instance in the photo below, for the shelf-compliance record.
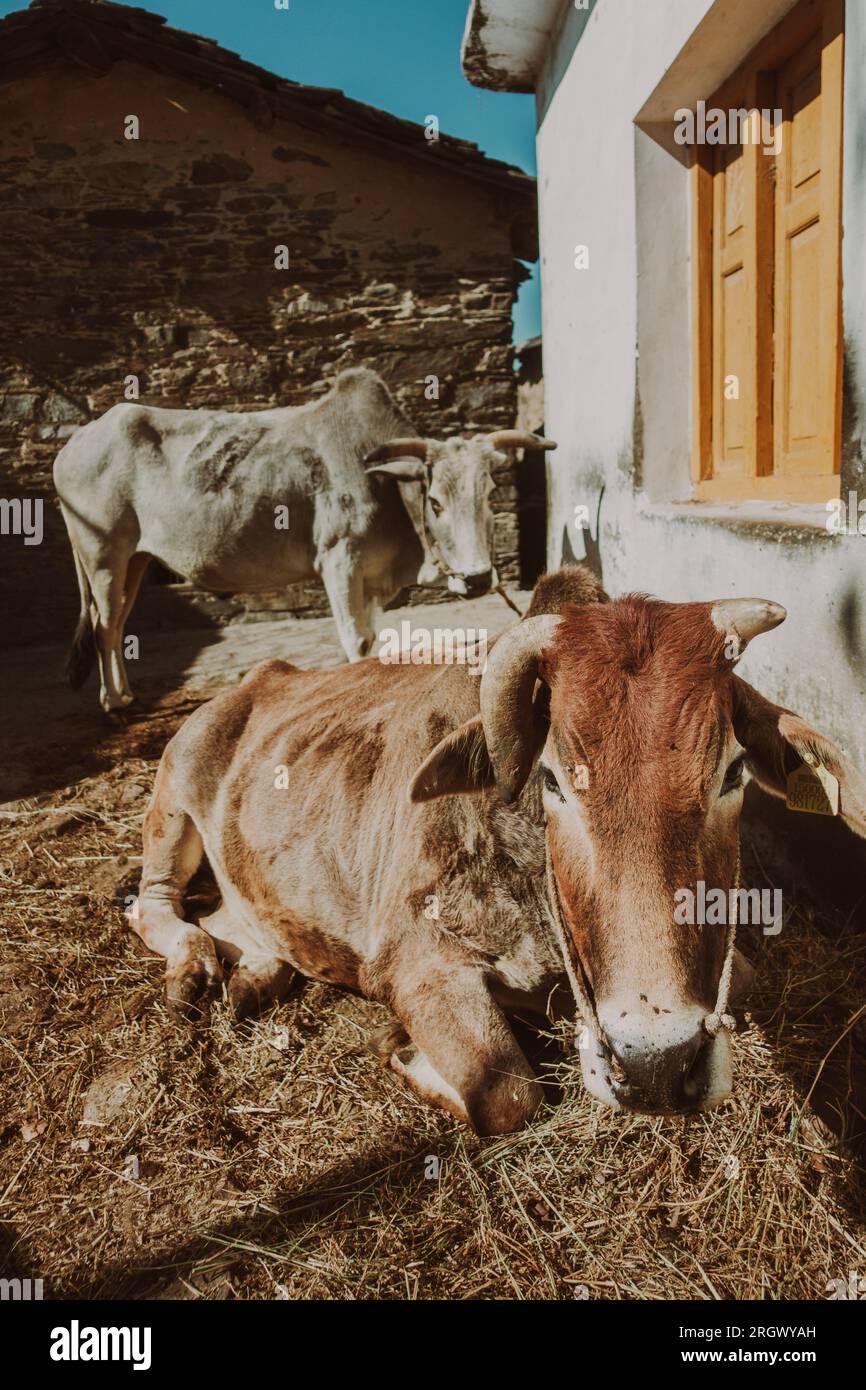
(401, 55)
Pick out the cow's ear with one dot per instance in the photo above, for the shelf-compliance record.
(459, 763)
(778, 743)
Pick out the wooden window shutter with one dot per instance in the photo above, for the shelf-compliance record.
(766, 274)
(807, 361)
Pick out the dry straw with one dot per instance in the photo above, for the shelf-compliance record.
(279, 1160)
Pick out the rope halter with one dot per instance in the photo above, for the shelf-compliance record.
(714, 1023)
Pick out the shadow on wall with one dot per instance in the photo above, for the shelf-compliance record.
(816, 857)
(851, 624)
(531, 483)
(591, 545)
(575, 20)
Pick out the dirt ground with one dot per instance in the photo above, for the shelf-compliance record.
(142, 1157)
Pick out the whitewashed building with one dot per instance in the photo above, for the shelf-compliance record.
(704, 308)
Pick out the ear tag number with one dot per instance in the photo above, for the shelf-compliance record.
(813, 789)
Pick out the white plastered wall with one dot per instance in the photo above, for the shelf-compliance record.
(622, 421)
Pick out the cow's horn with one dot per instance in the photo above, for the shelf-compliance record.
(519, 439)
(741, 619)
(398, 449)
(506, 701)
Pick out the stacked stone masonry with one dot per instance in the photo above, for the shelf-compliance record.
(155, 258)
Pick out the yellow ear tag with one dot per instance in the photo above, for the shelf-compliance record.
(813, 789)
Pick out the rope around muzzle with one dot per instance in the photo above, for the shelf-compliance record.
(583, 999)
(720, 1018)
(431, 547)
(511, 604)
(714, 1023)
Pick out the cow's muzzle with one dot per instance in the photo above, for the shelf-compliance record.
(663, 1063)
(471, 585)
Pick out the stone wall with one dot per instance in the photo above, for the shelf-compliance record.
(155, 257)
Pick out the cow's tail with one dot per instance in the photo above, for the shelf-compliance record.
(82, 653)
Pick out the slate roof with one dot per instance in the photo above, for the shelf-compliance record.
(93, 34)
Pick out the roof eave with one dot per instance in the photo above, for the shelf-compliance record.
(503, 49)
(94, 35)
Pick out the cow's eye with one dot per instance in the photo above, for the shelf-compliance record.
(550, 782)
(734, 774)
(435, 507)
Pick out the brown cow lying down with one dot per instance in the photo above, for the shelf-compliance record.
(383, 828)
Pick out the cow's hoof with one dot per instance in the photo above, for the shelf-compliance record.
(245, 999)
(386, 1041)
(115, 717)
(253, 987)
(189, 989)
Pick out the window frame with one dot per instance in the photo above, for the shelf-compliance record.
(753, 84)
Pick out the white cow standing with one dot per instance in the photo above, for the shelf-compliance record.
(207, 493)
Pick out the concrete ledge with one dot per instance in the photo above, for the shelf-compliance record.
(505, 42)
(787, 521)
